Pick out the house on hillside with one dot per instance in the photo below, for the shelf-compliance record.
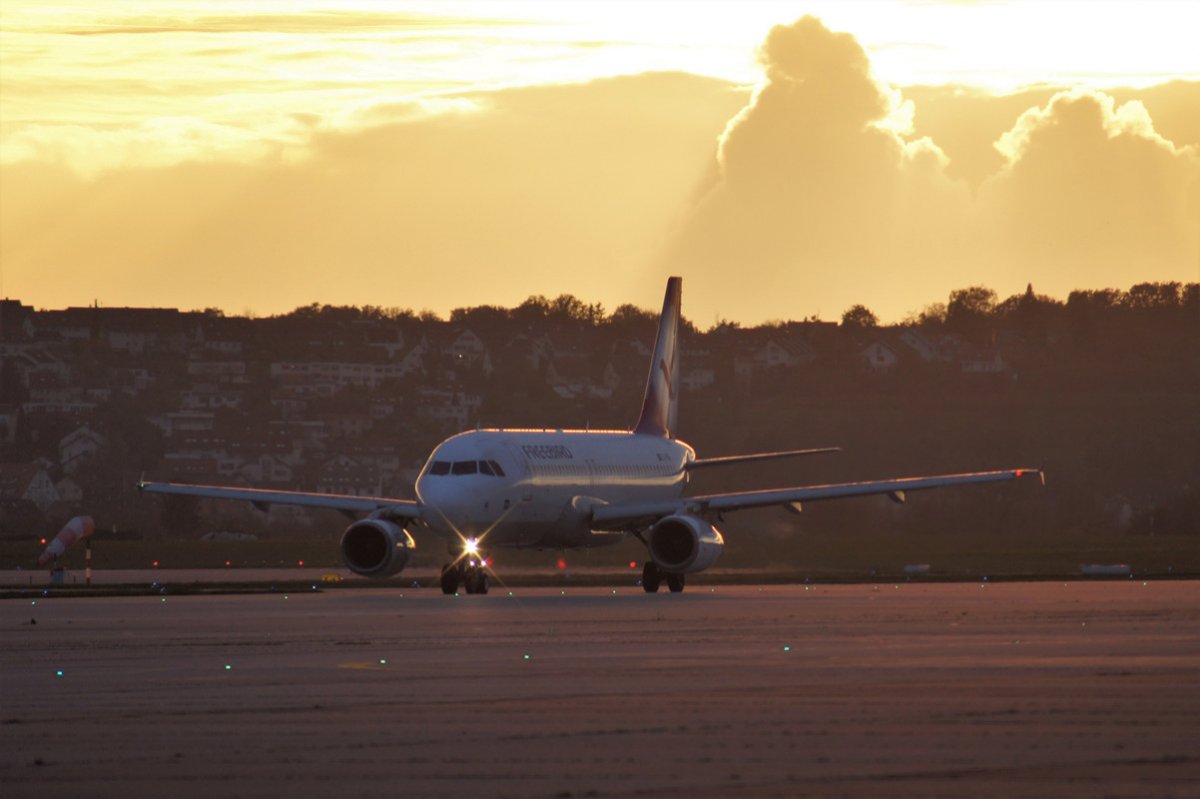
(133, 380)
(342, 374)
(788, 352)
(385, 337)
(348, 425)
(577, 373)
(179, 422)
(953, 347)
(9, 418)
(70, 493)
(71, 324)
(298, 435)
(221, 335)
(980, 363)
(699, 370)
(217, 371)
(384, 461)
(780, 350)
(78, 447)
(50, 387)
(450, 410)
(140, 330)
(879, 357)
(209, 396)
(921, 344)
(468, 350)
(32, 358)
(182, 469)
(344, 475)
(267, 470)
(28, 482)
(16, 320)
(412, 363)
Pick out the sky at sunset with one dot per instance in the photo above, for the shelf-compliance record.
(788, 159)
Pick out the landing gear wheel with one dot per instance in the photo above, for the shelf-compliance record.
(651, 577)
(476, 580)
(676, 582)
(449, 578)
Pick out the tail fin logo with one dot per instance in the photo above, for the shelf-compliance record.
(667, 371)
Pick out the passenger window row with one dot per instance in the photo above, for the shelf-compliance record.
(466, 467)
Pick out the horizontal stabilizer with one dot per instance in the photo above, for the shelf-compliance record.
(730, 460)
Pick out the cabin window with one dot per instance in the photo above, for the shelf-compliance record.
(463, 467)
(440, 467)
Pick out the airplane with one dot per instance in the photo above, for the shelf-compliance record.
(564, 489)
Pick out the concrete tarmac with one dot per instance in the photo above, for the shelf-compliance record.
(1007, 690)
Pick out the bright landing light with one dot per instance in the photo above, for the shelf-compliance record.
(471, 546)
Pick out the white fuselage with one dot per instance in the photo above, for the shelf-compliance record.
(520, 488)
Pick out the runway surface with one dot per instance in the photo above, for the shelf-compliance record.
(1007, 690)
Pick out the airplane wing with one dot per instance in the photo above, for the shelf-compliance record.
(638, 515)
(262, 499)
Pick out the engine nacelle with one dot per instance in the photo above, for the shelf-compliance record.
(376, 548)
(684, 544)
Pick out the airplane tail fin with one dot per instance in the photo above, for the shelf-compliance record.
(660, 408)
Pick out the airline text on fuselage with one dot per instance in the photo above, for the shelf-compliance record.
(546, 452)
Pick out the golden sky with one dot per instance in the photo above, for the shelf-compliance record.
(789, 159)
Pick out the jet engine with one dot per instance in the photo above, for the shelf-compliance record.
(684, 544)
(376, 548)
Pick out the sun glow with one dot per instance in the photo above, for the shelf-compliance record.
(252, 147)
(155, 83)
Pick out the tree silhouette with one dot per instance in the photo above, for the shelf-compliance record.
(860, 317)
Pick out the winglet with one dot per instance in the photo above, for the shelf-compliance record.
(660, 407)
(1019, 473)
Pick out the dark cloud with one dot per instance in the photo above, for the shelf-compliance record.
(545, 190)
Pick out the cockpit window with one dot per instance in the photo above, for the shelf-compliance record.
(490, 468)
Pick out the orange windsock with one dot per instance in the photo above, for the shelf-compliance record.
(77, 528)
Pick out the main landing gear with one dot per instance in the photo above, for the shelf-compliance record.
(471, 574)
(653, 577)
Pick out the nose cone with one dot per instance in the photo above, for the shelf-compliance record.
(455, 504)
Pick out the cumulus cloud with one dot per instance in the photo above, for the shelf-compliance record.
(1090, 186)
(815, 178)
(824, 197)
(966, 122)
